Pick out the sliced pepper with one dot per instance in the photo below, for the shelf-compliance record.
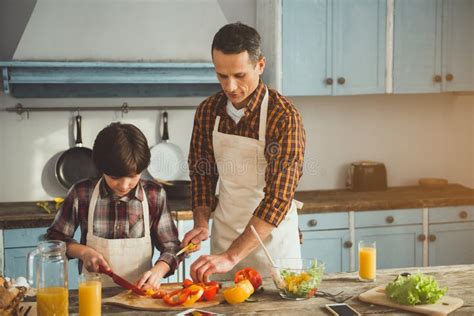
(249, 274)
(239, 293)
(210, 289)
(177, 297)
(195, 293)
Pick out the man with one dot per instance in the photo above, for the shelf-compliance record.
(252, 139)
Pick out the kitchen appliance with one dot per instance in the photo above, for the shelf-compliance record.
(367, 176)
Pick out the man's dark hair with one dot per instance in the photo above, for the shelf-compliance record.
(235, 38)
(121, 150)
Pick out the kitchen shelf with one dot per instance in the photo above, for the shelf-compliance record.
(28, 79)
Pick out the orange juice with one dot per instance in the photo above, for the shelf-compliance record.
(367, 263)
(52, 301)
(90, 295)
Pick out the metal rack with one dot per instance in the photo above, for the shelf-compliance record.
(124, 108)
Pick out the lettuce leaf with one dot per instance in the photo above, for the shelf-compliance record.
(415, 289)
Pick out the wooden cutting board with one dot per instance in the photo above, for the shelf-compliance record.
(444, 306)
(133, 301)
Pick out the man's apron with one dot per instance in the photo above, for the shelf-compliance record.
(241, 164)
(129, 257)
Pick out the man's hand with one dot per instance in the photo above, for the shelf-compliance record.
(92, 259)
(205, 266)
(152, 277)
(195, 235)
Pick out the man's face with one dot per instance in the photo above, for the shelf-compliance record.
(237, 74)
(121, 186)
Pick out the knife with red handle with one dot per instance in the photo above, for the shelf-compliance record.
(121, 281)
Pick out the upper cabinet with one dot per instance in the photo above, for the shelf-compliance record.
(433, 46)
(333, 47)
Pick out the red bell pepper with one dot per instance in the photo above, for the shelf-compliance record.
(210, 289)
(249, 274)
(177, 297)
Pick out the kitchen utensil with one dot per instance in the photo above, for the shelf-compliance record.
(75, 163)
(167, 160)
(444, 306)
(269, 257)
(125, 299)
(48, 272)
(432, 183)
(189, 246)
(367, 176)
(121, 281)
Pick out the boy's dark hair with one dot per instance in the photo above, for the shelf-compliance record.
(235, 38)
(121, 150)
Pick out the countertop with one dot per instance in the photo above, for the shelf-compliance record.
(458, 279)
(27, 214)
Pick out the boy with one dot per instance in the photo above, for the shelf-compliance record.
(121, 216)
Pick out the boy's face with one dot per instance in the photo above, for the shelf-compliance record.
(121, 186)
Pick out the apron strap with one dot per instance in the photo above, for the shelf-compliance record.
(216, 124)
(262, 126)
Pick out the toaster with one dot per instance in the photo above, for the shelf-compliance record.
(367, 176)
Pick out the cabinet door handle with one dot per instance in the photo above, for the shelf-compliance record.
(348, 244)
(449, 77)
(422, 237)
(432, 238)
(341, 80)
(437, 78)
(312, 223)
(389, 219)
(463, 214)
(329, 81)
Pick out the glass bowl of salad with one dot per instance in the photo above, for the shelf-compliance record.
(297, 279)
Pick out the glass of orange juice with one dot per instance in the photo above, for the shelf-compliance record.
(367, 261)
(90, 294)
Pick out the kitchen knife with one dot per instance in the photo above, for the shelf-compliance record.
(121, 281)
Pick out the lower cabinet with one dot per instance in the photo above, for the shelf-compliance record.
(397, 246)
(19, 242)
(451, 235)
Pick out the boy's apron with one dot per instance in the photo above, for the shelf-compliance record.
(241, 164)
(129, 257)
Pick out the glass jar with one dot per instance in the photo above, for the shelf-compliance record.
(48, 269)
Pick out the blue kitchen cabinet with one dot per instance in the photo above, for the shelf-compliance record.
(19, 242)
(333, 47)
(458, 45)
(433, 46)
(397, 247)
(451, 235)
(397, 234)
(326, 237)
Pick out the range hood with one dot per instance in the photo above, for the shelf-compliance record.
(113, 48)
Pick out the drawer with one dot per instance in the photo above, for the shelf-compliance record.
(23, 237)
(451, 214)
(320, 221)
(388, 218)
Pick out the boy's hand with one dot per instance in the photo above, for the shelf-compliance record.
(92, 259)
(195, 235)
(152, 277)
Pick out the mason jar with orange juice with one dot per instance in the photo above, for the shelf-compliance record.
(48, 272)
(367, 261)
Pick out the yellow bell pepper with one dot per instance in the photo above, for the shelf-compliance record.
(238, 293)
(196, 293)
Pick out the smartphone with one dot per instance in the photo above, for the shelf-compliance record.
(342, 309)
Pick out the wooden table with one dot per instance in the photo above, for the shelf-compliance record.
(459, 279)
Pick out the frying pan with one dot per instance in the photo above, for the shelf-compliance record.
(75, 163)
(167, 160)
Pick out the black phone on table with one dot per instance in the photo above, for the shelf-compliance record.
(342, 309)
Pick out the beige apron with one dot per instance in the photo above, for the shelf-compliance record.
(241, 164)
(129, 257)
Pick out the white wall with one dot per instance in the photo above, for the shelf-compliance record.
(414, 135)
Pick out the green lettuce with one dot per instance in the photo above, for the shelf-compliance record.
(415, 289)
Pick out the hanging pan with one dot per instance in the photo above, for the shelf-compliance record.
(76, 163)
(167, 160)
